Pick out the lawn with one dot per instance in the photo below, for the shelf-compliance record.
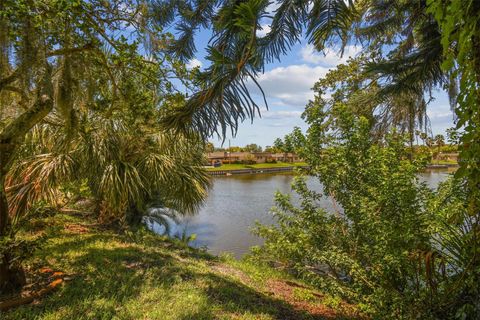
(257, 166)
(139, 275)
(444, 162)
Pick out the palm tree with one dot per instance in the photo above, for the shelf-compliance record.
(60, 62)
(439, 142)
(424, 136)
(417, 135)
(404, 28)
(125, 169)
(238, 55)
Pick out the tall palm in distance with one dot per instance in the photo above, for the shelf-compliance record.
(439, 142)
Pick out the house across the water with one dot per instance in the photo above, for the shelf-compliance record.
(224, 157)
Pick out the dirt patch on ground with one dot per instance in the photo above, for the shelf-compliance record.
(76, 228)
(41, 282)
(299, 296)
(313, 304)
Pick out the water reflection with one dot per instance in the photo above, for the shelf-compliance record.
(235, 203)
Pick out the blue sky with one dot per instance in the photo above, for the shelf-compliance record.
(287, 85)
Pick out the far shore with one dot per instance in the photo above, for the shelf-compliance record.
(233, 166)
(231, 169)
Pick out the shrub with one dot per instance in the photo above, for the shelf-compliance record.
(386, 244)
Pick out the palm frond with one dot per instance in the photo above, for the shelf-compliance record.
(285, 29)
(331, 20)
(38, 178)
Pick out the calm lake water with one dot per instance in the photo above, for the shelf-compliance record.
(236, 202)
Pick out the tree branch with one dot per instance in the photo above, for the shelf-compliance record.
(16, 130)
(9, 79)
(64, 51)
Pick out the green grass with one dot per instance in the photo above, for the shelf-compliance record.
(227, 167)
(444, 162)
(140, 275)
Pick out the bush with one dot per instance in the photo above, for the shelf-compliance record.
(449, 149)
(386, 245)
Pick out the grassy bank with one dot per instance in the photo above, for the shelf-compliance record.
(442, 162)
(139, 275)
(227, 167)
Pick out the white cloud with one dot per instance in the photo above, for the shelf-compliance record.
(439, 110)
(266, 21)
(329, 57)
(273, 6)
(292, 84)
(265, 28)
(281, 114)
(194, 63)
(440, 115)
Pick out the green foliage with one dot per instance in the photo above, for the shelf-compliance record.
(236, 54)
(124, 167)
(362, 249)
(460, 30)
(385, 243)
(291, 143)
(458, 21)
(252, 147)
(82, 86)
(186, 238)
(278, 144)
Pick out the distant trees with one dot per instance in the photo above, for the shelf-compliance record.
(439, 142)
(234, 149)
(291, 143)
(209, 147)
(253, 147)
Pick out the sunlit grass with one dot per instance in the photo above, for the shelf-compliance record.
(139, 275)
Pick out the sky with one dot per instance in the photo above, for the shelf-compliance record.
(287, 85)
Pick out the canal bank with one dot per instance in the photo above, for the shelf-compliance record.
(253, 170)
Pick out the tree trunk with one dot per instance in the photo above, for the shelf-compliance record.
(11, 279)
(11, 137)
(4, 225)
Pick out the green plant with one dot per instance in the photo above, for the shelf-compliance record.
(66, 66)
(332, 301)
(185, 238)
(386, 243)
(303, 294)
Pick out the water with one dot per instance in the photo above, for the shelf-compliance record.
(236, 202)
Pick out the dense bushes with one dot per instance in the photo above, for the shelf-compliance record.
(389, 243)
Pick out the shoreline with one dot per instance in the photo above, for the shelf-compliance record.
(229, 172)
